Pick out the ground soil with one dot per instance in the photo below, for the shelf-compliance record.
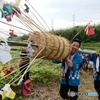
(51, 92)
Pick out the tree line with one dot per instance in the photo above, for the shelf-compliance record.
(71, 32)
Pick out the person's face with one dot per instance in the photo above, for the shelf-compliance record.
(75, 47)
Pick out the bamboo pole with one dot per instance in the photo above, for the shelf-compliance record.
(29, 65)
(28, 70)
(31, 19)
(80, 31)
(11, 82)
(11, 43)
(39, 15)
(14, 26)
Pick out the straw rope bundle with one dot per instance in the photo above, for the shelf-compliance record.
(56, 47)
(46, 45)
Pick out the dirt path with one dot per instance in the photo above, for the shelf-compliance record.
(51, 92)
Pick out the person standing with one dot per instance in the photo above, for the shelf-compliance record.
(70, 78)
(70, 72)
(96, 75)
(23, 63)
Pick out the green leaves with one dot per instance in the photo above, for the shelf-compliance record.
(46, 73)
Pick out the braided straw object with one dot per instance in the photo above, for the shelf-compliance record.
(56, 47)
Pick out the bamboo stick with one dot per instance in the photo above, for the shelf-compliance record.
(14, 26)
(29, 65)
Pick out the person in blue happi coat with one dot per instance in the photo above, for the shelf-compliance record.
(70, 79)
(96, 75)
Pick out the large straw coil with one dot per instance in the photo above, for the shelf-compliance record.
(55, 47)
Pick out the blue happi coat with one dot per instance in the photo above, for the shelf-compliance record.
(93, 57)
(73, 78)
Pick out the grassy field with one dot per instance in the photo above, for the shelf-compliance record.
(45, 83)
(49, 89)
(45, 79)
(91, 46)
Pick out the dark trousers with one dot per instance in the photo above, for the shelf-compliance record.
(26, 76)
(64, 89)
(97, 87)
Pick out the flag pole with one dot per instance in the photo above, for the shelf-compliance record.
(80, 31)
(77, 34)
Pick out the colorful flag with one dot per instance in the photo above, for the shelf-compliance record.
(3, 94)
(5, 50)
(10, 94)
(27, 8)
(1, 68)
(5, 89)
(8, 18)
(2, 74)
(11, 33)
(7, 92)
(89, 31)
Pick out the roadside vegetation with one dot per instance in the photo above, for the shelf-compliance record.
(45, 76)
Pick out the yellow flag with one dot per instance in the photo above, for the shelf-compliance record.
(2, 74)
(3, 95)
(12, 95)
(1, 68)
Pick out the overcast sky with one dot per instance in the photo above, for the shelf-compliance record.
(63, 13)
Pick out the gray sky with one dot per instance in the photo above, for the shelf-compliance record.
(62, 12)
(59, 13)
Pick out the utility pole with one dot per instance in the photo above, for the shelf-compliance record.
(73, 20)
(52, 26)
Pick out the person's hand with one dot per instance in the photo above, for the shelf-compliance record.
(68, 61)
(94, 73)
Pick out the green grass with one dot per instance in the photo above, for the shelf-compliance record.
(46, 73)
(91, 46)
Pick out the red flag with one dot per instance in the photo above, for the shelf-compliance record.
(8, 18)
(11, 33)
(89, 31)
